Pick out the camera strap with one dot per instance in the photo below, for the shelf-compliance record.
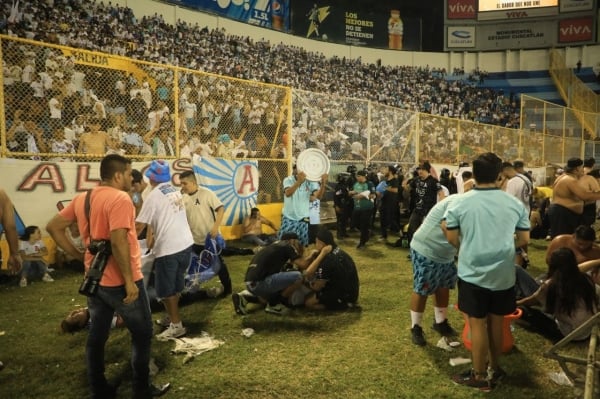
(88, 195)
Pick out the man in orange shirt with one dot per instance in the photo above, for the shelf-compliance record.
(111, 219)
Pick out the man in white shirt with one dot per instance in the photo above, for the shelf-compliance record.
(163, 210)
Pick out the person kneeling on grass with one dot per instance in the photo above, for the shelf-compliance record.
(331, 276)
(266, 279)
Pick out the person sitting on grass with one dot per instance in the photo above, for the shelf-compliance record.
(33, 250)
(267, 280)
(253, 233)
(331, 276)
(568, 298)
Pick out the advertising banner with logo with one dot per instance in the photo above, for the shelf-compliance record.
(576, 5)
(39, 189)
(273, 14)
(460, 37)
(533, 34)
(461, 9)
(356, 24)
(575, 30)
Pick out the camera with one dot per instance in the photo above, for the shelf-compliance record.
(101, 250)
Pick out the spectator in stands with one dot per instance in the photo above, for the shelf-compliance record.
(95, 141)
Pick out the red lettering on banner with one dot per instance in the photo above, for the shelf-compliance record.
(180, 165)
(44, 173)
(575, 30)
(84, 182)
(516, 14)
(247, 179)
(461, 9)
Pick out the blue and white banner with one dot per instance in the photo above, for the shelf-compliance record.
(273, 14)
(235, 182)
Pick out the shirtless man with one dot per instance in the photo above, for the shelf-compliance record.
(581, 242)
(253, 233)
(567, 199)
(95, 141)
(589, 183)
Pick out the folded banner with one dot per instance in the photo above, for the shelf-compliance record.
(235, 182)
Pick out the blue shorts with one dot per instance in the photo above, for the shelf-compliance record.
(299, 227)
(170, 273)
(428, 275)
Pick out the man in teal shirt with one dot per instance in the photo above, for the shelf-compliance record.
(296, 203)
(482, 224)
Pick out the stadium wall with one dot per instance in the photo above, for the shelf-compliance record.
(492, 61)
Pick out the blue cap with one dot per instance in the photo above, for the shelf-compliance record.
(158, 171)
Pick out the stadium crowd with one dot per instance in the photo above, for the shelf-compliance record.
(115, 30)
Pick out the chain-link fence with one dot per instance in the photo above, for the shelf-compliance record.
(64, 104)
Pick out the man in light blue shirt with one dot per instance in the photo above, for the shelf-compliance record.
(483, 223)
(434, 272)
(296, 203)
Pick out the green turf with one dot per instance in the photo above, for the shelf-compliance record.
(364, 353)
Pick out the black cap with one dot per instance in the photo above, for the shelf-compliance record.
(392, 169)
(507, 165)
(361, 173)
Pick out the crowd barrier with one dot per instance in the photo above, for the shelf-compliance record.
(66, 106)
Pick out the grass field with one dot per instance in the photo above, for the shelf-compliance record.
(363, 353)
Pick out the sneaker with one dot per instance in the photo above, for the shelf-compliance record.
(444, 329)
(23, 282)
(468, 379)
(164, 321)
(360, 245)
(495, 375)
(239, 304)
(171, 332)
(47, 278)
(417, 335)
(278, 309)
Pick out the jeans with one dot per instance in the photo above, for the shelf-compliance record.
(261, 240)
(272, 285)
(138, 320)
(33, 269)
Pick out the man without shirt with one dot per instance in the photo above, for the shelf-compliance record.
(567, 199)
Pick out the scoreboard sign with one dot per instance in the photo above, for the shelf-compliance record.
(516, 9)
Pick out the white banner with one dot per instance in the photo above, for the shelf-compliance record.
(516, 35)
(460, 37)
(576, 5)
(37, 189)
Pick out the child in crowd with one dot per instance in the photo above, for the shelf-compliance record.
(33, 250)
